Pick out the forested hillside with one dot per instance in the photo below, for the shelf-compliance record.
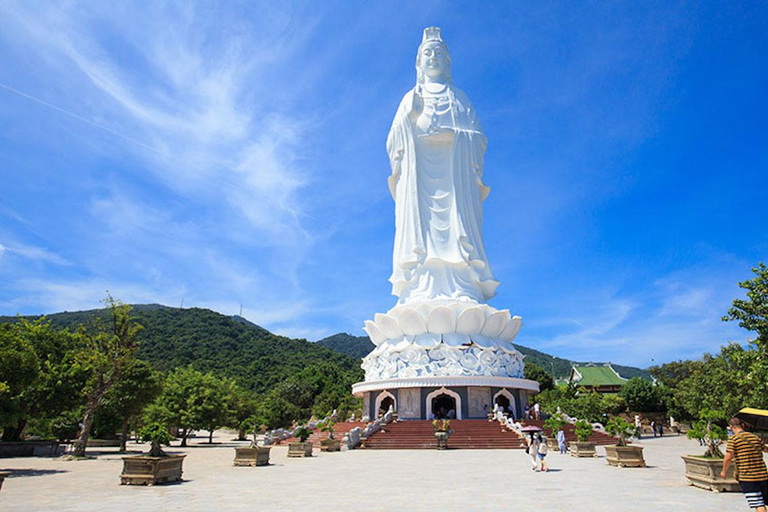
(360, 346)
(227, 346)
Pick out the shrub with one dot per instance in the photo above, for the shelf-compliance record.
(583, 430)
(157, 434)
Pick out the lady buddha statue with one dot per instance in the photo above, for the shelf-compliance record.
(436, 148)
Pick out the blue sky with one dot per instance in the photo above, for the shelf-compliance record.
(229, 154)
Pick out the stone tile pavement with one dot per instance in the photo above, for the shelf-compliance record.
(373, 480)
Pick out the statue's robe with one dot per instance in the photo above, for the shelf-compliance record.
(437, 186)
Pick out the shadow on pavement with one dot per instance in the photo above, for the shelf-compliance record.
(15, 473)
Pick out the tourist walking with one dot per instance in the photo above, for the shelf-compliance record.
(561, 440)
(533, 451)
(653, 428)
(537, 410)
(543, 452)
(746, 449)
(527, 412)
(661, 430)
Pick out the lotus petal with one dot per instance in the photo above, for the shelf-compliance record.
(470, 320)
(484, 341)
(456, 339)
(495, 323)
(427, 340)
(401, 344)
(441, 320)
(411, 322)
(388, 326)
(377, 337)
(511, 329)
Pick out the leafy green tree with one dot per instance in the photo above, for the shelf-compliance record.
(735, 378)
(641, 395)
(243, 408)
(752, 313)
(19, 369)
(193, 400)
(39, 377)
(136, 388)
(532, 371)
(108, 349)
(275, 411)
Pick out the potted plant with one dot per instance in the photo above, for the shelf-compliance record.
(583, 447)
(329, 444)
(301, 448)
(622, 454)
(553, 424)
(704, 470)
(253, 455)
(157, 467)
(442, 433)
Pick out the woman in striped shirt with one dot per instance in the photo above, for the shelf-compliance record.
(747, 450)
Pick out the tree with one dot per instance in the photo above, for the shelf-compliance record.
(532, 371)
(641, 395)
(735, 378)
(193, 400)
(243, 409)
(107, 351)
(137, 387)
(39, 377)
(752, 314)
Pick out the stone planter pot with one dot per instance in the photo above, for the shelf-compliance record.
(299, 449)
(705, 473)
(582, 449)
(3, 474)
(625, 456)
(146, 470)
(252, 456)
(442, 439)
(330, 445)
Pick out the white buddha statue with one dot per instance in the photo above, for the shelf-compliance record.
(436, 148)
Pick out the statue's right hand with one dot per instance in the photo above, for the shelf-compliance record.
(416, 104)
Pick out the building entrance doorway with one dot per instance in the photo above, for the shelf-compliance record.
(386, 403)
(444, 407)
(503, 402)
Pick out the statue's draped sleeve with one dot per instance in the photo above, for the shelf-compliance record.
(409, 243)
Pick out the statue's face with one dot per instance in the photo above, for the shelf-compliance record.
(433, 60)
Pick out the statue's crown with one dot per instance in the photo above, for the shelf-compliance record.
(432, 34)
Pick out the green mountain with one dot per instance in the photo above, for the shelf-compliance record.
(360, 346)
(210, 341)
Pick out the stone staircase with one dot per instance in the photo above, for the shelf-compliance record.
(420, 434)
(339, 429)
(570, 433)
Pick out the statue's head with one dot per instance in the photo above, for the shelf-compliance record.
(433, 59)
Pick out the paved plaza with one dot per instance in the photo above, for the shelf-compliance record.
(368, 480)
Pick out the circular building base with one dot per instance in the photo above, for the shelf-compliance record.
(452, 397)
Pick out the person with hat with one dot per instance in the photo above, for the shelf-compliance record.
(746, 450)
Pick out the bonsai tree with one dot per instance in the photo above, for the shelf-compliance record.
(622, 429)
(302, 433)
(555, 423)
(328, 427)
(157, 434)
(583, 430)
(709, 433)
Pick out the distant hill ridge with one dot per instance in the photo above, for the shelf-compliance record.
(229, 346)
(360, 346)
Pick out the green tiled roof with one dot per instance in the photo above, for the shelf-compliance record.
(598, 376)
